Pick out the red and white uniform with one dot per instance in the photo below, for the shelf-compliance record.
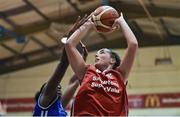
(101, 94)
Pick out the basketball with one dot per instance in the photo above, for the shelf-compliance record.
(103, 18)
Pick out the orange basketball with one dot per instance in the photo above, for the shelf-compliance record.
(104, 18)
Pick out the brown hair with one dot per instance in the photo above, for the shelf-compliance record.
(116, 57)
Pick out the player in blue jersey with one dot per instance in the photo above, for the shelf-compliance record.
(48, 99)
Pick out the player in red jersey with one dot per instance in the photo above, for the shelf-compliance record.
(103, 85)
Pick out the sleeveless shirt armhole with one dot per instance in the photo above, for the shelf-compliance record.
(120, 72)
(88, 67)
(126, 83)
(51, 103)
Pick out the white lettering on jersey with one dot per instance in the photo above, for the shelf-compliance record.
(107, 85)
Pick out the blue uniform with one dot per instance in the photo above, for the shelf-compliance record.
(54, 109)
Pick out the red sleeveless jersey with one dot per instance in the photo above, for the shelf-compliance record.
(101, 94)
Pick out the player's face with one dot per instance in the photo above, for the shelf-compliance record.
(102, 58)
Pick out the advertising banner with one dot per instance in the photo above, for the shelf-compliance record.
(165, 100)
(140, 101)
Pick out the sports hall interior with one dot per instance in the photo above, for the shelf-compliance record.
(30, 49)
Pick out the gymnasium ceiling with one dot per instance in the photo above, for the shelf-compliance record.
(29, 29)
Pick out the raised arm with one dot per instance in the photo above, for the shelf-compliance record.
(132, 45)
(75, 59)
(50, 90)
(74, 82)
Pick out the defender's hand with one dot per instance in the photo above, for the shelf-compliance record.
(85, 51)
(77, 24)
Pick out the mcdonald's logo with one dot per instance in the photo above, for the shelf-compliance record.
(152, 101)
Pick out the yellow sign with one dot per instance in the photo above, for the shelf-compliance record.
(152, 101)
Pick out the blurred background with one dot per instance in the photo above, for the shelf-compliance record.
(30, 50)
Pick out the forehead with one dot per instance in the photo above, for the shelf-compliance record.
(103, 50)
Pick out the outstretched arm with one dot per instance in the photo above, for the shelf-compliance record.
(74, 57)
(50, 90)
(132, 45)
(74, 82)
